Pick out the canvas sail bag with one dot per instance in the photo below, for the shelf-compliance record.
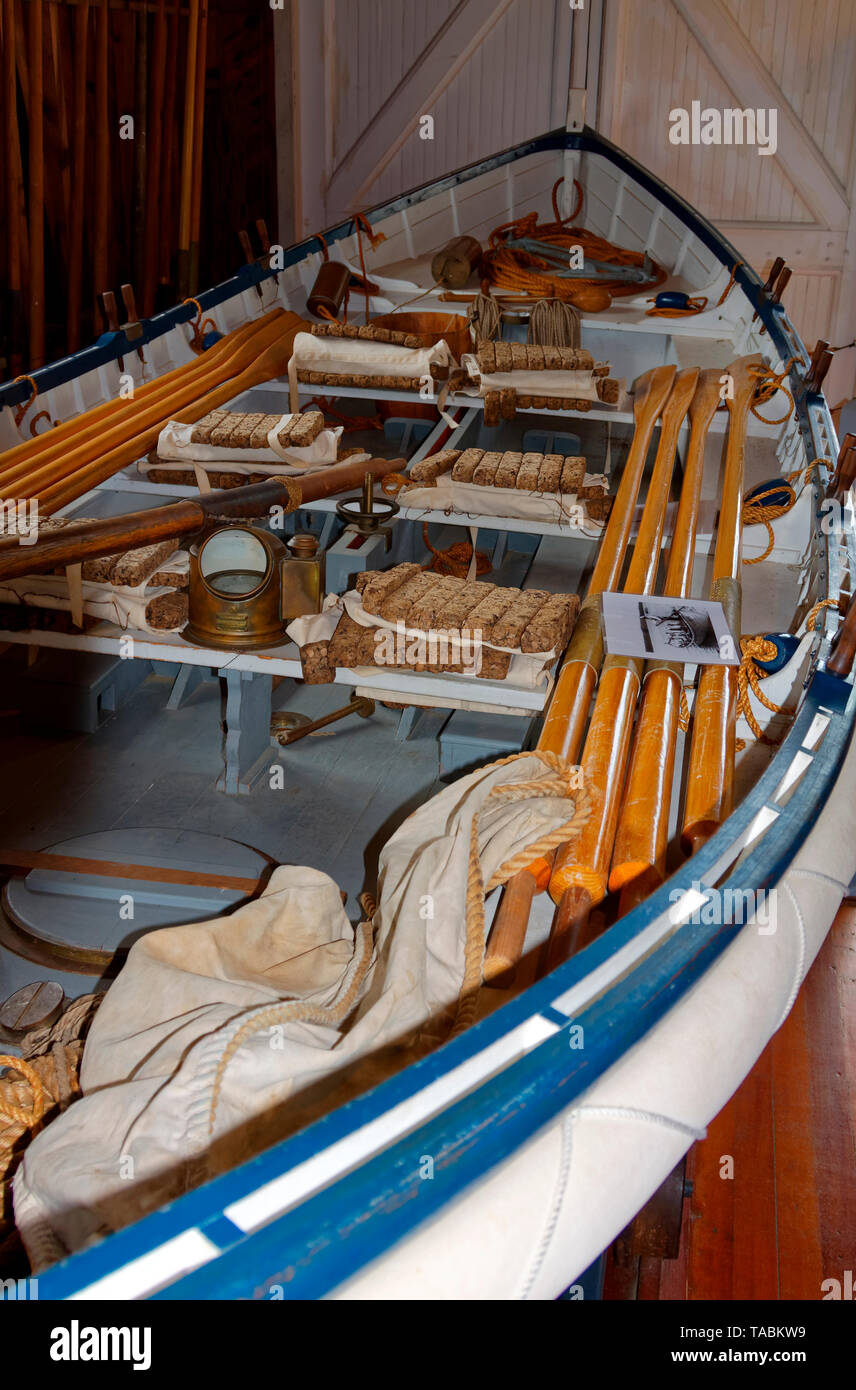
(219, 1038)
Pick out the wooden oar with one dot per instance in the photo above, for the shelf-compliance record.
(166, 207)
(92, 428)
(154, 208)
(129, 440)
(271, 363)
(198, 136)
(710, 783)
(216, 357)
(566, 717)
(102, 153)
(36, 355)
(75, 254)
(581, 869)
(13, 198)
(638, 861)
(141, 140)
(187, 148)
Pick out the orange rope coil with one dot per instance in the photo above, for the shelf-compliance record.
(518, 270)
(455, 560)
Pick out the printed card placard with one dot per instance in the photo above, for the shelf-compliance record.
(692, 630)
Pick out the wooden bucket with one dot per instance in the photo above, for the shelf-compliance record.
(429, 328)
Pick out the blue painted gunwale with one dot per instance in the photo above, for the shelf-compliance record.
(331, 1235)
(110, 347)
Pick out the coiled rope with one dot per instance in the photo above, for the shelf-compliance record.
(484, 317)
(694, 305)
(456, 559)
(758, 512)
(750, 675)
(514, 269)
(553, 323)
(769, 382)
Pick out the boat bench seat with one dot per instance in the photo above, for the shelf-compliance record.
(73, 690)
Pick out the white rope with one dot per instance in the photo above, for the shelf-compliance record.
(554, 1212)
(626, 1112)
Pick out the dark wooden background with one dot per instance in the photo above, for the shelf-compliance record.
(238, 163)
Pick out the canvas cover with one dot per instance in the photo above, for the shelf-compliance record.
(219, 1038)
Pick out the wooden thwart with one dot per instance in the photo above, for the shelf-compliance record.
(22, 861)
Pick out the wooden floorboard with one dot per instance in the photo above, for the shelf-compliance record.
(344, 791)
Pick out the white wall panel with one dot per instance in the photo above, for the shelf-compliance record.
(492, 73)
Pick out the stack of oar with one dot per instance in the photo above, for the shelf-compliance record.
(61, 465)
(628, 825)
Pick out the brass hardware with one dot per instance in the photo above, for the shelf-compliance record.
(287, 726)
(367, 514)
(235, 589)
(302, 577)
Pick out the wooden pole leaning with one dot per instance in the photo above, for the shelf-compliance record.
(91, 428)
(102, 152)
(151, 234)
(13, 191)
(571, 700)
(87, 540)
(75, 255)
(186, 194)
(710, 782)
(36, 354)
(198, 147)
(639, 854)
(581, 869)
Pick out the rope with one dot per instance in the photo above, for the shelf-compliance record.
(749, 676)
(562, 783)
(393, 484)
(43, 415)
(683, 711)
(456, 559)
(350, 422)
(297, 1011)
(552, 323)
(513, 269)
(21, 410)
(695, 305)
(198, 326)
(70, 1026)
(484, 317)
(815, 612)
(769, 382)
(754, 513)
(375, 239)
(30, 1115)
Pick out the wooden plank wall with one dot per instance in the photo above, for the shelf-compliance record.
(489, 73)
(779, 1220)
(493, 72)
(239, 160)
(799, 203)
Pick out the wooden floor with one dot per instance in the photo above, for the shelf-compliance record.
(786, 1221)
